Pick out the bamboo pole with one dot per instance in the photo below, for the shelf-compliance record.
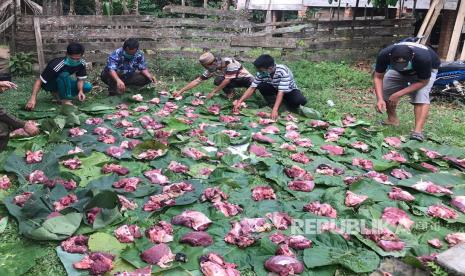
(454, 43)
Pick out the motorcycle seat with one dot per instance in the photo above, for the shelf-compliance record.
(452, 66)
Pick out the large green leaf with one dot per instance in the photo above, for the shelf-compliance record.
(68, 259)
(18, 257)
(90, 169)
(103, 242)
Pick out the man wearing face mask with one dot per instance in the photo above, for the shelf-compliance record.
(56, 78)
(405, 68)
(228, 72)
(276, 84)
(126, 67)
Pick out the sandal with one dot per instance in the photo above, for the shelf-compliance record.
(418, 136)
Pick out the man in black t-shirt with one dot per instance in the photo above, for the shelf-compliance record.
(401, 69)
(56, 78)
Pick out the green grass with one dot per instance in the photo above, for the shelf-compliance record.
(349, 88)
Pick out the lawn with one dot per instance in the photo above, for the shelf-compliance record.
(348, 87)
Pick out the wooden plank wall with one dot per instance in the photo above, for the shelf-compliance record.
(225, 32)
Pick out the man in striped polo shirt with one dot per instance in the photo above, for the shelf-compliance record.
(276, 84)
(228, 72)
(56, 78)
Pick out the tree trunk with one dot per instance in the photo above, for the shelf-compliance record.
(124, 3)
(225, 5)
(135, 7)
(52, 7)
(72, 10)
(98, 7)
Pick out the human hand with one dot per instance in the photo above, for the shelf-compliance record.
(210, 95)
(31, 104)
(121, 86)
(393, 99)
(274, 114)
(381, 106)
(8, 85)
(81, 96)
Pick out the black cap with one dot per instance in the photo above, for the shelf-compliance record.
(401, 55)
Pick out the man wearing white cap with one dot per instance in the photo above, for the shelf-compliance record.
(228, 72)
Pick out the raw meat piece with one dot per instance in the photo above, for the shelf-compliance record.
(128, 184)
(5, 182)
(459, 203)
(319, 124)
(72, 164)
(122, 106)
(34, 156)
(193, 153)
(229, 119)
(441, 211)
(132, 132)
(76, 150)
(430, 187)
(265, 121)
(394, 156)
(304, 142)
(291, 118)
(107, 139)
(75, 244)
(150, 154)
(385, 239)
(162, 232)
(68, 184)
(196, 102)
(114, 168)
(123, 124)
(259, 151)
(129, 144)
(430, 153)
(64, 202)
(360, 145)
(84, 263)
(94, 121)
(333, 150)
(37, 177)
(393, 141)
(334, 134)
(378, 177)
(349, 180)
(228, 209)
(284, 265)
(263, 114)
(299, 242)
(155, 101)
(284, 250)
(92, 214)
(262, 138)
(270, 130)
(127, 233)
(353, 200)
(177, 189)
(193, 219)
(102, 131)
(21, 199)
(197, 238)
(297, 172)
(158, 255)
(215, 109)
(231, 133)
(396, 216)
(250, 225)
(332, 227)
(320, 209)
(137, 98)
(291, 126)
(399, 194)
(214, 265)
(300, 158)
(213, 195)
(178, 167)
(76, 132)
(278, 238)
(401, 174)
(429, 167)
(156, 177)
(262, 193)
(436, 243)
(280, 220)
(126, 204)
(301, 185)
(241, 232)
(116, 152)
(348, 119)
(362, 163)
(455, 238)
(328, 170)
(292, 134)
(425, 259)
(141, 108)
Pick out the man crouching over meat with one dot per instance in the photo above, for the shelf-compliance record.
(276, 84)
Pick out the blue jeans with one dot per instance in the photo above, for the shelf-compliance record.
(65, 86)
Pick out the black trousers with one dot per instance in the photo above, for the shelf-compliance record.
(235, 83)
(135, 79)
(291, 100)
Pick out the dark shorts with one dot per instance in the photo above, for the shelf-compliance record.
(394, 81)
(292, 99)
(136, 79)
(234, 83)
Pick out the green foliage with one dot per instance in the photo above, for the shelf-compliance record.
(178, 68)
(436, 270)
(21, 63)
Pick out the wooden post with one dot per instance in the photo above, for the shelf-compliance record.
(454, 42)
(205, 5)
(462, 55)
(269, 17)
(40, 50)
(434, 18)
(427, 17)
(447, 26)
(183, 3)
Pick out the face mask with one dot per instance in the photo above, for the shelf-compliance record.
(263, 75)
(71, 62)
(211, 68)
(128, 56)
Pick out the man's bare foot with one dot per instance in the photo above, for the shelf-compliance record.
(390, 122)
(67, 102)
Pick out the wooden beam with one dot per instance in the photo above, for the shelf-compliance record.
(462, 55)
(427, 18)
(7, 23)
(454, 42)
(40, 49)
(432, 22)
(203, 11)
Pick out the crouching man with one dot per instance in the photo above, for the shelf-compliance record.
(276, 84)
(56, 78)
(126, 66)
(228, 72)
(9, 123)
(406, 68)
